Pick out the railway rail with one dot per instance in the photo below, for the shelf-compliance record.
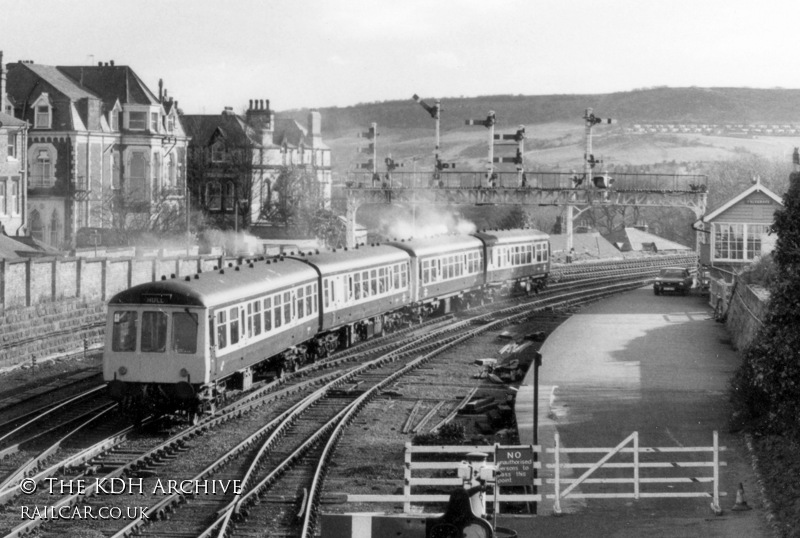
(310, 393)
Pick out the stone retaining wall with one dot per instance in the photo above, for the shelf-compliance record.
(53, 306)
(745, 313)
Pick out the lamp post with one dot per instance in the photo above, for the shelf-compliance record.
(537, 362)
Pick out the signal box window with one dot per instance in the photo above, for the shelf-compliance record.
(154, 332)
(123, 333)
(184, 332)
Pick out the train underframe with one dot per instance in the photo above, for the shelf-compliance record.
(197, 400)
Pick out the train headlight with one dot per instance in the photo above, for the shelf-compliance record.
(122, 370)
(184, 372)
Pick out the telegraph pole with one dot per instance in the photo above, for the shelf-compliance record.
(589, 162)
(489, 123)
(372, 150)
(518, 139)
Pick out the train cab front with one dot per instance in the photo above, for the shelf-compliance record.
(154, 359)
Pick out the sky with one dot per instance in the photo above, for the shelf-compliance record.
(322, 53)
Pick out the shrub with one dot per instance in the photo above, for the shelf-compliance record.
(451, 433)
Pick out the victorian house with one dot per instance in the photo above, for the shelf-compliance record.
(13, 181)
(103, 149)
(235, 160)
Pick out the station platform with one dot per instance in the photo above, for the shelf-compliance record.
(656, 365)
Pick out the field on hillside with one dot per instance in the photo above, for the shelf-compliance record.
(553, 146)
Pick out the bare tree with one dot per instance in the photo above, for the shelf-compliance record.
(298, 202)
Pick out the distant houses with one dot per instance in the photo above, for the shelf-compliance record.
(88, 148)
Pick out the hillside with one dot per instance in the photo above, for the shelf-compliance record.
(554, 126)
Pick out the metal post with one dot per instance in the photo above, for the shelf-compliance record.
(716, 472)
(557, 473)
(438, 110)
(636, 466)
(490, 173)
(537, 361)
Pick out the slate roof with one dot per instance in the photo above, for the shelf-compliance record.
(112, 82)
(639, 240)
(61, 82)
(10, 249)
(10, 121)
(202, 127)
(592, 245)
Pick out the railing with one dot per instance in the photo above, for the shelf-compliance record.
(433, 471)
(534, 180)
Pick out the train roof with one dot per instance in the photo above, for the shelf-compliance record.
(501, 237)
(342, 260)
(218, 287)
(438, 245)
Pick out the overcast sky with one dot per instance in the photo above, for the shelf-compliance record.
(318, 53)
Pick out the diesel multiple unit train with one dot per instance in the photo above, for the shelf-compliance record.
(182, 343)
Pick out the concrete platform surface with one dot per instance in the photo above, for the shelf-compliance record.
(657, 365)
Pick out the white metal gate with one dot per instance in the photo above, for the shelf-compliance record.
(636, 479)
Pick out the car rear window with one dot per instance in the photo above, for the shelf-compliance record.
(672, 273)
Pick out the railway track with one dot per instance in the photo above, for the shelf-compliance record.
(305, 416)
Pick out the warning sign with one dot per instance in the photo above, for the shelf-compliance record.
(514, 465)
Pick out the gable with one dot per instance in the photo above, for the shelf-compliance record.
(757, 207)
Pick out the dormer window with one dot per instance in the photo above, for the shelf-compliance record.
(154, 122)
(42, 112)
(170, 124)
(113, 120)
(218, 152)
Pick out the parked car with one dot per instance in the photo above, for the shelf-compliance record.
(677, 279)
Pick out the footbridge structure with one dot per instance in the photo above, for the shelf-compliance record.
(566, 190)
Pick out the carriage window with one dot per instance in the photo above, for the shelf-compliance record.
(301, 303)
(154, 332)
(123, 335)
(222, 329)
(357, 285)
(184, 332)
(287, 307)
(256, 318)
(267, 314)
(373, 281)
(326, 286)
(404, 276)
(234, 323)
(311, 304)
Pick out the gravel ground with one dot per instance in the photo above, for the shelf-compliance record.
(370, 457)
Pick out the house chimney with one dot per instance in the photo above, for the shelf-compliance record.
(315, 128)
(260, 119)
(112, 63)
(2, 84)
(161, 90)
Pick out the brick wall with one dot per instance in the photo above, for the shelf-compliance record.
(51, 306)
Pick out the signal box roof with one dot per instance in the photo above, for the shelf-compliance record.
(504, 237)
(343, 261)
(220, 287)
(438, 245)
